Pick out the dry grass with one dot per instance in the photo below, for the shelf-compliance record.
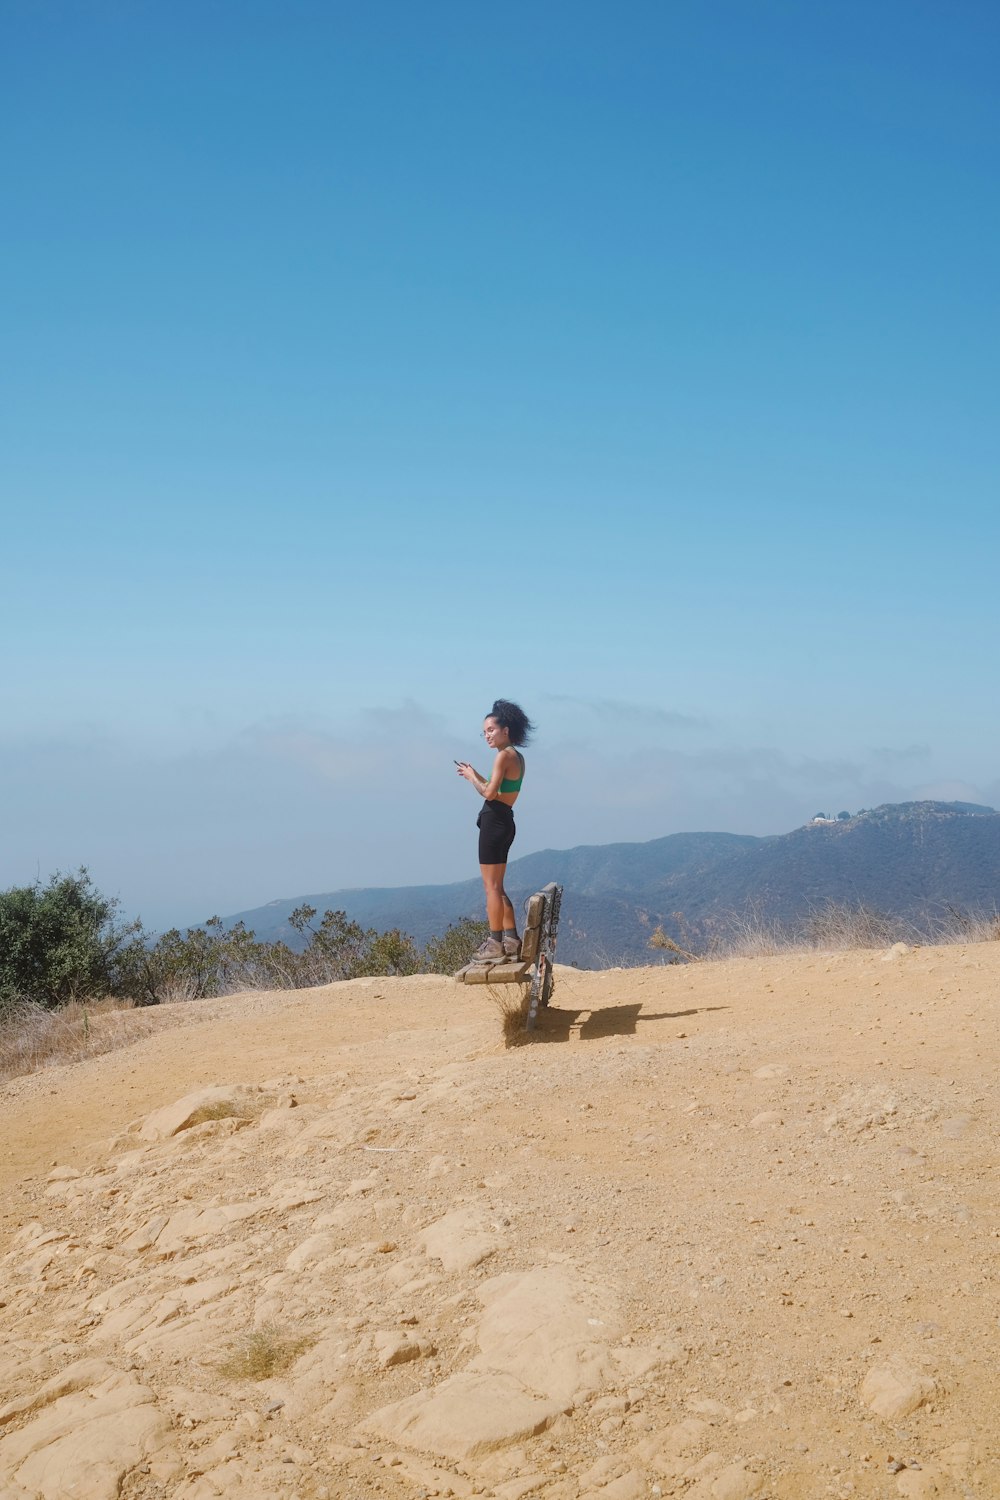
(246, 1109)
(604, 958)
(955, 926)
(661, 940)
(264, 1352)
(178, 991)
(512, 1009)
(839, 926)
(32, 1037)
(752, 939)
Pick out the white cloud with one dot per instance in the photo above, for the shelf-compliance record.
(617, 712)
(289, 807)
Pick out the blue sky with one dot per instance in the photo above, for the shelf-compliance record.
(362, 363)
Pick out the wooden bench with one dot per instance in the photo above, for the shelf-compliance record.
(538, 952)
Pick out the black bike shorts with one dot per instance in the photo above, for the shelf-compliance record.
(496, 832)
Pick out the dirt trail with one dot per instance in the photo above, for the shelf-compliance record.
(721, 1230)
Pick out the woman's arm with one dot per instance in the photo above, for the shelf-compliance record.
(486, 789)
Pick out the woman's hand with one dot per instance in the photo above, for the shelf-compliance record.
(464, 769)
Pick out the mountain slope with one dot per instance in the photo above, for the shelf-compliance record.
(910, 860)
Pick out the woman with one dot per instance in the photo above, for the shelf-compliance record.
(505, 726)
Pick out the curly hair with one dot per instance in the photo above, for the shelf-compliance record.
(512, 717)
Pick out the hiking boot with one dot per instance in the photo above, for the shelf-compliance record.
(490, 949)
(512, 947)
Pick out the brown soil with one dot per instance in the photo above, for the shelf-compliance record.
(775, 1180)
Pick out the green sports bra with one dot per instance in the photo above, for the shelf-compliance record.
(514, 786)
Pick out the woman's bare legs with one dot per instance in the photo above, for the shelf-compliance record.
(499, 911)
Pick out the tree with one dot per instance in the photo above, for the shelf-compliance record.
(446, 954)
(843, 817)
(62, 942)
(217, 960)
(391, 953)
(207, 960)
(343, 949)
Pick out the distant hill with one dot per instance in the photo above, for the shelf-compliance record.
(913, 860)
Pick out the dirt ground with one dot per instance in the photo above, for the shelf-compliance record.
(721, 1230)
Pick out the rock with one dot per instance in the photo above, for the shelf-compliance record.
(630, 1486)
(896, 951)
(279, 1118)
(466, 1416)
(399, 1349)
(459, 1240)
(670, 1451)
(617, 1405)
(766, 1117)
(894, 1390)
(602, 1472)
(191, 1224)
(712, 1411)
(639, 1360)
(549, 1331)
(215, 1103)
(80, 1376)
(316, 1247)
(735, 1483)
(932, 1483)
(85, 1443)
(516, 1489)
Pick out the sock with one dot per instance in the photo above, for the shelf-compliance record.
(510, 932)
(496, 936)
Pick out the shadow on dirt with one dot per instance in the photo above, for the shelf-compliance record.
(555, 1025)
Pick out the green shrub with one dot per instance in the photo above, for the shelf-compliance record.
(457, 944)
(62, 942)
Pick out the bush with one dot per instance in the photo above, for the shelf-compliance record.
(342, 949)
(61, 942)
(215, 960)
(447, 954)
(206, 961)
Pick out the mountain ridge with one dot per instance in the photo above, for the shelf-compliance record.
(909, 860)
